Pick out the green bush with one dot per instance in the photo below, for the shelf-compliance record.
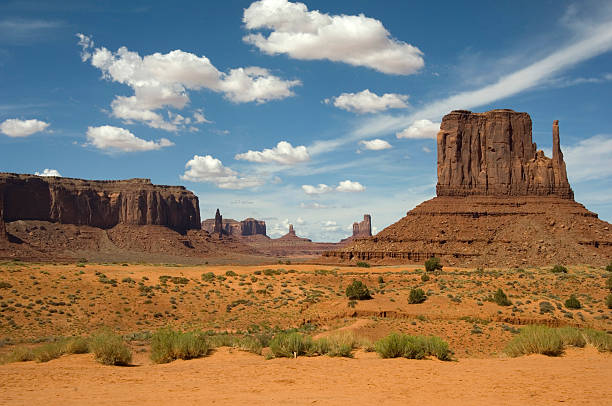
(337, 345)
(208, 277)
(609, 301)
(110, 349)
(425, 277)
(414, 347)
(291, 345)
(381, 279)
(571, 336)
(363, 264)
(168, 345)
(249, 344)
(535, 340)
(5, 285)
(609, 267)
(231, 273)
(573, 302)
(49, 351)
(433, 264)
(416, 296)
(559, 269)
(501, 298)
(19, 354)
(609, 283)
(358, 291)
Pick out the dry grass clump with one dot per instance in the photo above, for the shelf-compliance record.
(168, 345)
(397, 345)
(48, 351)
(291, 345)
(340, 344)
(552, 341)
(110, 349)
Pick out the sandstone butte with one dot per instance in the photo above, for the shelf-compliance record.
(499, 201)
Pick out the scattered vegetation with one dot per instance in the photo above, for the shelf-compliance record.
(609, 283)
(110, 349)
(357, 291)
(609, 301)
(433, 264)
(363, 264)
(573, 302)
(291, 345)
(559, 269)
(397, 345)
(552, 341)
(501, 298)
(416, 296)
(168, 345)
(609, 267)
(425, 277)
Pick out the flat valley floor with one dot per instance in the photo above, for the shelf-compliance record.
(42, 301)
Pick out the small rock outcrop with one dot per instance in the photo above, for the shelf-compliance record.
(102, 204)
(244, 228)
(292, 236)
(363, 228)
(2, 225)
(492, 154)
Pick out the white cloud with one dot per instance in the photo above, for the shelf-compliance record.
(300, 221)
(118, 139)
(316, 190)
(376, 144)
(354, 39)
(420, 129)
(349, 186)
(313, 205)
(284, 153)
(162, 80)
(330, 225)
(209, 169)
(425, 149)
(48, 172)
(368, 102)
(589, 159)
(14, 127)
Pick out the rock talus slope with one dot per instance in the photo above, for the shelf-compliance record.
(499, 201)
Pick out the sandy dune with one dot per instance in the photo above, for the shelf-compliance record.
(581, 377)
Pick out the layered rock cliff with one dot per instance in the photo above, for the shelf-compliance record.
(102, 204)
(500, 202)
(363, 228)
(493, 154)
(244, 228)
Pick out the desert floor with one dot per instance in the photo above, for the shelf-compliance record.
(42, 301)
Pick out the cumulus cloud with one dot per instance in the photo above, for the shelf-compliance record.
(368, 102)
(420, 129)
(48, 172)
(313, 205)
(330, 225)
(209, 169)
(344, 186)
(14, 127)
(375, 145)
(117, 139)
(349, 186)
(162, 81)
(316, 190)
(284, 153)
(353, 39)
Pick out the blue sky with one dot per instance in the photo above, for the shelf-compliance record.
(307, 113)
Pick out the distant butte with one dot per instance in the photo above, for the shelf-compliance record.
(499, 201)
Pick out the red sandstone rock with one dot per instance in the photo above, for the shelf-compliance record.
(246, 227)
(363, 228)
(493, 154)
(102, 204)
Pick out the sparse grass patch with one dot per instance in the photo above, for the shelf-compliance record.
(535, 340)
(559, 269)
(168, 345)
(598, 339)
(397, 345)
(291, 345)
(337, 345)
(110, 349)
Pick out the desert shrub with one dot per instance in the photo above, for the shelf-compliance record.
(571, 336)
(5, 285)
(168, 345)
(231, 273)
(20, 354)
(381, 279)
(598, 339)
(357, 291)
(249, 344)
(208, 277)
(76, 345)
(609, 301)
(110, 349)
(291, 345)
(49, 351)
(559, 269)
(416, 296)
(222, 340)
(433, 264)
(363, 264)
(501, 298)
(535, 340)
(609, 283)
(609, 267)
(546, 307)
(337, 345)
(573, 302)
(425, 277)
(414, 347)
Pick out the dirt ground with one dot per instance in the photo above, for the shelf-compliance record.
(581, 377)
